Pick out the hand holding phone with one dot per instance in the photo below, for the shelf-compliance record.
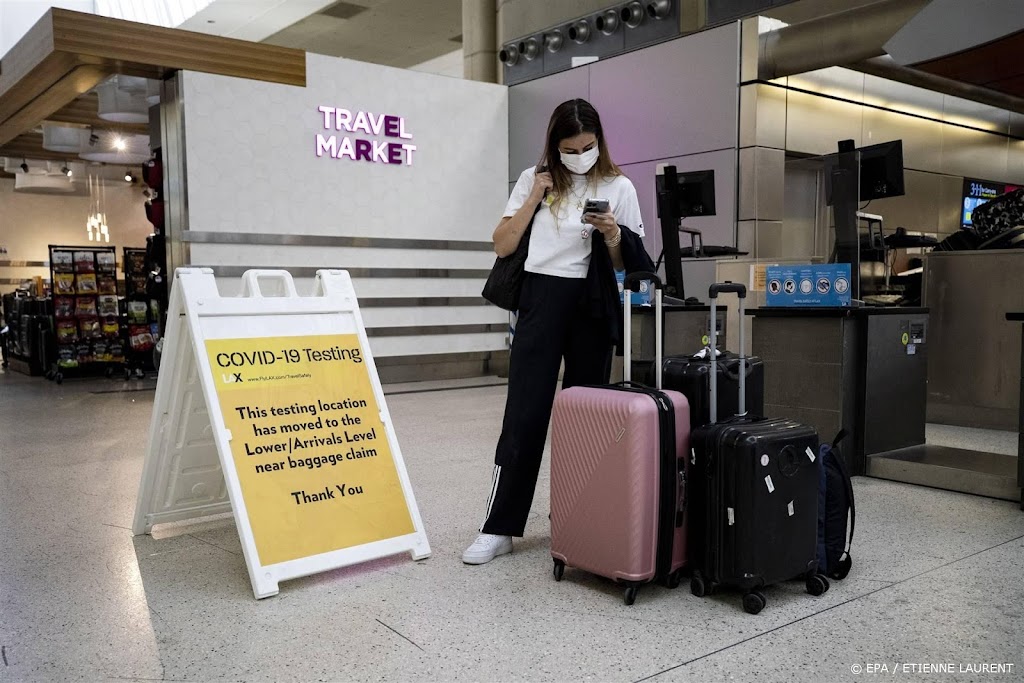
(596, 206)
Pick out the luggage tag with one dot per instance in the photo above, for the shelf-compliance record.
(770, 484)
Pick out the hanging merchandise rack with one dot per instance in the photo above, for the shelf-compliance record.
(141, 323)
(86, 314)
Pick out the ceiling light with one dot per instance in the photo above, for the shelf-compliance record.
(509, 55)
(529, 48)
(633, 14)
(580, 32)
(608, 22)
(66, 171)
(120, 145)
(553, 41)
(659, 9)
(128, 177)
(24, 166)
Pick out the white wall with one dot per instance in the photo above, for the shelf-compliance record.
(29, 223)
(252, 167)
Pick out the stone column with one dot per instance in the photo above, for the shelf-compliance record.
(479, 40)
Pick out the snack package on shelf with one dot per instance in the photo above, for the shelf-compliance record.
(67, 331)
(90, 328)
(64, 283)
(67, 357)
(87, 283)
(135, 262)
(107, 305)
(101, 352)
(62, 261)
(138, 312)
(85, 306)
(111, 327)
(85, 262)
(141, 338)
(116, 350)
(84, 352)
(106, 262)
(63, 306)
(107, 285)
(154, 330)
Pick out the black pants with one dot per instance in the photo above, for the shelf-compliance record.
(552, 325)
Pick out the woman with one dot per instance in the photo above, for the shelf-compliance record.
(569, 306)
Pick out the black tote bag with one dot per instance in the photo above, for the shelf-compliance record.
(505, 282)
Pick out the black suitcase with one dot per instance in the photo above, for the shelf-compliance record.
(753, 499)
(691, 377)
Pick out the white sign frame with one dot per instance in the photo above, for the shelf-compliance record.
(189, 468)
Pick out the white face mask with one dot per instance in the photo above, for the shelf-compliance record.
(581, 163)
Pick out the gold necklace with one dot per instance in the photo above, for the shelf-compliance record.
(580, 198)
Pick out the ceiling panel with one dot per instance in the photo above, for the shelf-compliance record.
(392, 32)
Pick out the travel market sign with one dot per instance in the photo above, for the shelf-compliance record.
(364, 136)
(808, 285)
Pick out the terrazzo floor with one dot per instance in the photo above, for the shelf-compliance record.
(938, 577)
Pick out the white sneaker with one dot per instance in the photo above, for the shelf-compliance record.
(486, 547)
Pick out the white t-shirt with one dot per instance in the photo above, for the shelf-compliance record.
(557, 244)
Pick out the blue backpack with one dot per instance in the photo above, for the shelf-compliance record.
(835, 508)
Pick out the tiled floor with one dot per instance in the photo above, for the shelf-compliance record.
(938, 577)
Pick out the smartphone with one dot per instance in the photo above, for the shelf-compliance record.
(597, 206)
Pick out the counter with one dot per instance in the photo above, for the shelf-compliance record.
(973, 366)
(860, 369)
(1019, 317)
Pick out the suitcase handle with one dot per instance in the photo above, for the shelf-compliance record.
(633, 280)
(736, 288)
(741, 292)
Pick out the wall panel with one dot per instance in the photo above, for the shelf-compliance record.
(670, 100)
(256, 170)
(529, 110)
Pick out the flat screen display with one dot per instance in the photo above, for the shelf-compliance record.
(977, 192)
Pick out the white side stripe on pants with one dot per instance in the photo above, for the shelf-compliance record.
(494, 489)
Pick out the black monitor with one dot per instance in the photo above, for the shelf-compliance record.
(881, 171)
(680, 195)
(695, 193)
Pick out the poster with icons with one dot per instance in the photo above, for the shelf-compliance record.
(808, 285)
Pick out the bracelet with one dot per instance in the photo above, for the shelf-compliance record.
(615, 241)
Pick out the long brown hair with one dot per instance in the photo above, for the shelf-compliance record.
(570, 119)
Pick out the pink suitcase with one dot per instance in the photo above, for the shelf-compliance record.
(618, 475)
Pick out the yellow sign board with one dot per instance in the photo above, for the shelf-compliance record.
(312, 455)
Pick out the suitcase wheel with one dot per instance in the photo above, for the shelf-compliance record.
(697, 586)
(629, 595)
(59, 378)
(754, 602)
(559, 570)
(817, 585)
(673, 580)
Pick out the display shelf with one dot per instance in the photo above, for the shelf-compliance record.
(141, 322)
(87, 333)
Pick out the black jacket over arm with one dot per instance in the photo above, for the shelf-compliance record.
(602, 291)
